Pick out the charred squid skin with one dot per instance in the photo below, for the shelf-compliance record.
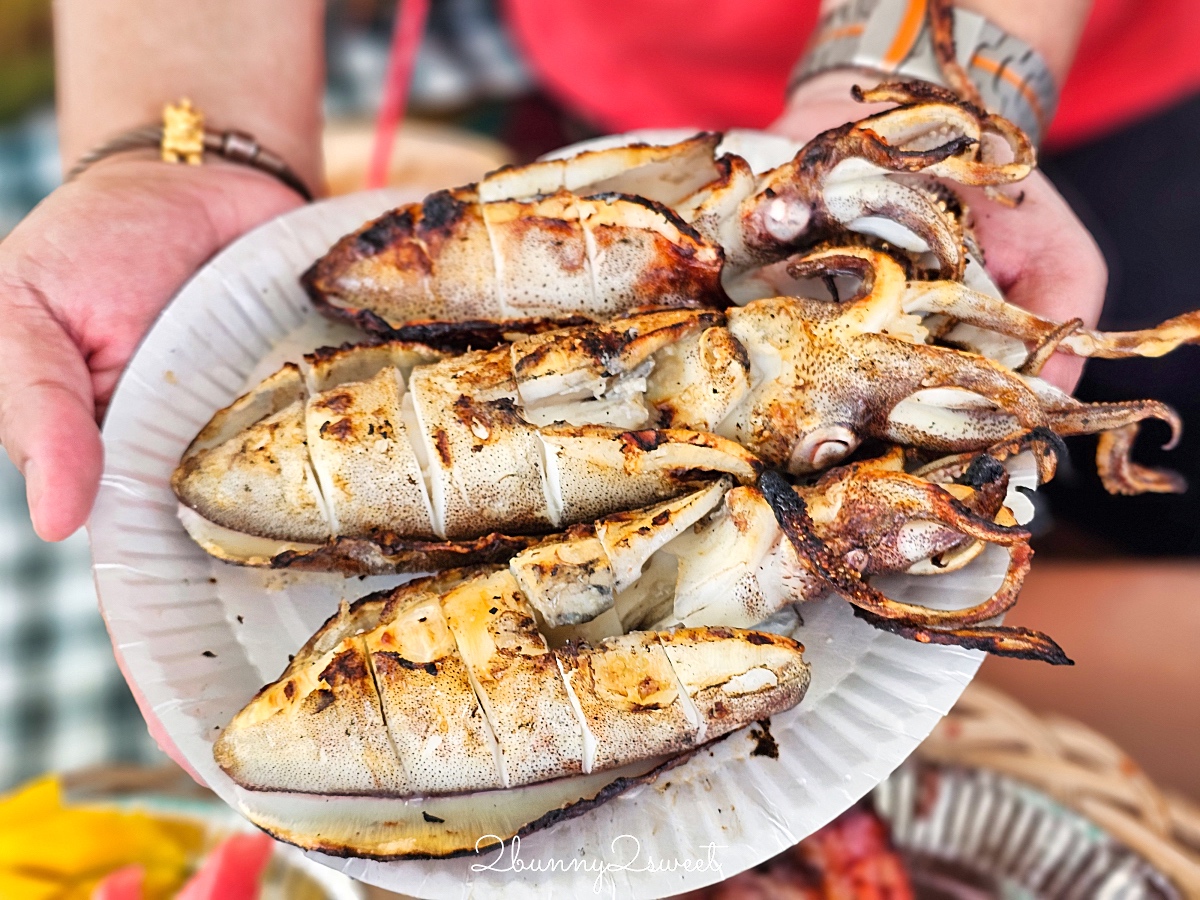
(1019, 643)
(984, 470)
(911, 620)
(388, 554)
(496, 249)
(481, 251)
(955, 468)
(473, 334)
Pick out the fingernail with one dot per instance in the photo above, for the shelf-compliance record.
(35, 487)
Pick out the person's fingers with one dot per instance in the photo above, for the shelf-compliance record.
(1068, 282)
(824, 102)
(47, 414)
(1043, 259)
(1063, 371)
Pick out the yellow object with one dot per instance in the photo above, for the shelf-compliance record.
(183, 133)
(58, 852)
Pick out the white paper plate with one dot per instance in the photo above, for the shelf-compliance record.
(198, 638)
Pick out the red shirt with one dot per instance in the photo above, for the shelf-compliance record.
(725, 63)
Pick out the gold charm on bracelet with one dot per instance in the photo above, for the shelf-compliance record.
(183, 133)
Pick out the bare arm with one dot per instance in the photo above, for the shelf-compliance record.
(87, 272)
(253, 65)
(1053, 29)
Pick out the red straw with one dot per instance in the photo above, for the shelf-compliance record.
(406, 37)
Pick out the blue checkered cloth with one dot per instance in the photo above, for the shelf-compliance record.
(29, 167)
(63, 702)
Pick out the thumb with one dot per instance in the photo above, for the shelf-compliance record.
(1043, 259)
(1059, 295)
(47, 415)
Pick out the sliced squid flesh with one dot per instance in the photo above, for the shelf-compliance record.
(438, 452)
(359, 716)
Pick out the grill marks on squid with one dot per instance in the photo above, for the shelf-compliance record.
(417, 449)
(445, 685)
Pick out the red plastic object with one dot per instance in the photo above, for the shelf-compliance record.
(123, 884)
(406, 38)
(232, 871)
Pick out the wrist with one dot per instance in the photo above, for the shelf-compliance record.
(824, 101)
(184, 137)
(230, 199)
(253, 67)
(145, 166)
(937, 42)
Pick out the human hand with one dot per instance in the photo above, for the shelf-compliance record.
(1039, 254)
(81, 280)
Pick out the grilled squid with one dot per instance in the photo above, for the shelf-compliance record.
(976, 319)
(390, 458)
(609, 230)
(735, 556)
(366, 460)
(444, 691)
(602, 653)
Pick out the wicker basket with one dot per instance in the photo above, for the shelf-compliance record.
(1042, 803)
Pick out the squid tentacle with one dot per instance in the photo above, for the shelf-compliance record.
(1041, 351)
(934, 503)
(906, 93)
(959, 465)
(940, 15)
(1075, 417)
(961, 167)
(950, 368)
(1121, 475)
(1118, 425)
(999, 640)
(1150, 342)
(994, 314)
(975, 308)
(792, 516)
(868, 144)
(913, 208)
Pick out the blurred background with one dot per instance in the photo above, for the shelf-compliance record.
(1116, 582)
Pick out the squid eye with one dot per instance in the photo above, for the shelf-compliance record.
(822, 448)
(830, 452)
(786, 219)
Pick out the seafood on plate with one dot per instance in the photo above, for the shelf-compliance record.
(393, 457)
(737, 556)
(444, 692)
(876, 302)
(606, 231)
(602, 653)
(366, 460)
